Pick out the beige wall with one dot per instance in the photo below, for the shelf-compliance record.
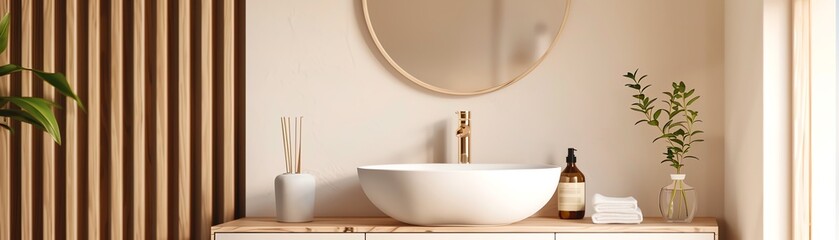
(315, 58)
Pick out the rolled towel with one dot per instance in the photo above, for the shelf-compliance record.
(614, 204)
(605, 217)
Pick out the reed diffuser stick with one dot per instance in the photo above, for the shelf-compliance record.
(293, 144)
(299, 143)
(287, 145)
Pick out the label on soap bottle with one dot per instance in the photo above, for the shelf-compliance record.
(571, 196)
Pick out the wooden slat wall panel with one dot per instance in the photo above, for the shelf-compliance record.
(72, 140)
(5, 161)
(48, 160)
(161, 119)
(156, 152)
(138, 121)
(94, 143)
(26, 161)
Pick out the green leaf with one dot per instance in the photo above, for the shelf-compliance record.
(639, 110)
(22, 116)
(40, 111)
(687, 94)
(653, 123)
(682, 86)
(675, 87)
(694, 157)
(7, 127)
(696, 132)
(678, 141)
(656, 114)
(693, 100)
(9, 68)
(642, 78)
(679, 132)
(645, 87)
(639, 96)
(57, 80)
(4, 32)
(60, 83)
(697, 140)
(640, 121)
(667, 135)
(629, 75)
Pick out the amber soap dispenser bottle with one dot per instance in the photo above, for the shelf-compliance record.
(571, 191)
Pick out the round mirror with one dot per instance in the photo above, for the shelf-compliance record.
(464, 47)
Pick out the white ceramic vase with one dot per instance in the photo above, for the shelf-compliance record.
(294, 195)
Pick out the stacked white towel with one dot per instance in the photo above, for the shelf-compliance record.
(616, 210)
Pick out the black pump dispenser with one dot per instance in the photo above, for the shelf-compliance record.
(571, 158)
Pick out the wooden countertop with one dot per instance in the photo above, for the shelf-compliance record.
(535, 224)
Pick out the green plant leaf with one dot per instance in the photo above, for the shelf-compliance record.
(666, 135)
(60, 83)
(9, 68)
(694, 157)
(693, 100)
(653, 123)
(688, 93)
(40, 110)
(640, 121)
(639, 110)
(645, 87)
(682, 86)
(657, 113)
(697, 140)
(4, 32)
(7, 127)
(57, 80)
(642, 78)
(675, 140)
(22, 116)
(696, 132)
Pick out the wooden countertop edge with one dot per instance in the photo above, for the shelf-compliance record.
(535, 224)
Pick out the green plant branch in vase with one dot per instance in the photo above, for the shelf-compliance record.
(34, 111)
(675, 122)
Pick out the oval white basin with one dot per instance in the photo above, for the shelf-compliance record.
(459, 194)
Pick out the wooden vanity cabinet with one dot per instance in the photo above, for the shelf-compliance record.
(539, 228)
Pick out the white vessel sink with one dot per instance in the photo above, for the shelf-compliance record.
(459, 194)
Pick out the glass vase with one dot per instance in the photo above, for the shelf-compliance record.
(677, 201)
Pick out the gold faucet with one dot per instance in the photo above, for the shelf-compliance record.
(464, 133)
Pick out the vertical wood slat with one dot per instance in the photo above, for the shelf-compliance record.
(27, 198)
(72, 136)
(94, 125)
(206, 140)
(161, 76)
(228, 114)
(48, 173)
(126, 65)
(184, 120)
(138, 213)
(5, 158)
(116, 221)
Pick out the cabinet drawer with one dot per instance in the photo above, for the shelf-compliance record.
(289, 236)
(460, 236)
(635, 236)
